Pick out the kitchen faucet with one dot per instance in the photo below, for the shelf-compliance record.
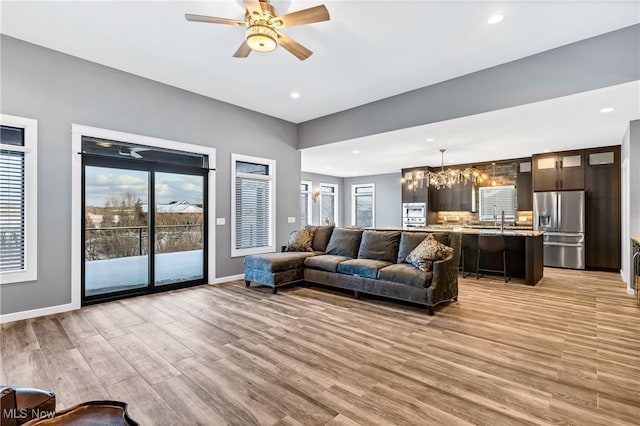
(502, 221)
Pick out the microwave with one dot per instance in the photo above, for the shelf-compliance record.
(414, 210)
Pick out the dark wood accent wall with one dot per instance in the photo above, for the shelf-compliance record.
(603, 231)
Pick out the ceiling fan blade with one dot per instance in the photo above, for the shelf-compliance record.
(213, 20)
(295, 48)
(253, 6)
(305, 16)
(243, 51)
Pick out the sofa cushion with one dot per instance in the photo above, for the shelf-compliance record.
(300, 240)
(406, 274)
(344, 242)
(410, 240)
(426, 252)
(379, 245)
(325, 262)
(321, 237)
(277, 262)
(367, 268)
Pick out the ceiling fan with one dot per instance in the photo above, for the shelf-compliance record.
(263, 27)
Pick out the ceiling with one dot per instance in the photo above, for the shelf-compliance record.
(369, 50)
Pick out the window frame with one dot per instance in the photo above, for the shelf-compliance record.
(354, 188)
(235, 158)
(336, 200)
(309, 193)
(30, 150)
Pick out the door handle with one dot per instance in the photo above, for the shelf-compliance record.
(559, 210)
(563, 244)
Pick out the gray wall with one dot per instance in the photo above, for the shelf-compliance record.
(602, 61)
(630, 152)
(316, 180)
(57, 90)
(388, 198)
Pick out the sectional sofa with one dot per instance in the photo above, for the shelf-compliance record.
(365, 261)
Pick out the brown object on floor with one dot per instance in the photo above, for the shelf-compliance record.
(19, 405)
(94, 413)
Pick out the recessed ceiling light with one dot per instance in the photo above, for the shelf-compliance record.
(355, 151)
(495, 19)
(607, 109)
(328, 168)
(354, 173)
(451, 161)
(295, 95)
(546, 150)
(430, 139)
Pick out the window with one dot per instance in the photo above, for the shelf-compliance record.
(362, 205)
(496, 199)
(328, 204)
(18, 199)
(305, 203)
(253, 205)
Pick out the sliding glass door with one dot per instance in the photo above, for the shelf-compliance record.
(179, 228)
(144, 220)
(116, 229)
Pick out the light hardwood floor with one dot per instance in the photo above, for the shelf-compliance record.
(564, 352)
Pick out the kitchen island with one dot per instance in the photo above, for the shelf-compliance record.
(524, 250)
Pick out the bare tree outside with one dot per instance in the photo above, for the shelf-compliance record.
(120, 229)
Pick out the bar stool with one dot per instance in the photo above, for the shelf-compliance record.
(463, 248)
(492, 244)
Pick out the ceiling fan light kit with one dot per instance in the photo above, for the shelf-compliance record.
(261, 38)
(262, 22)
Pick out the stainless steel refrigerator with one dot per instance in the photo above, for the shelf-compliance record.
(560, 214)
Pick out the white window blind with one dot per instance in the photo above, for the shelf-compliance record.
(253, 220)
(18, 202)
(12, 214)
(496, 199)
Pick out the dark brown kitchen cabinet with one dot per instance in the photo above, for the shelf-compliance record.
(524, 187)
(409, 193)
(602, 208)
(560, 171)
(457, 198)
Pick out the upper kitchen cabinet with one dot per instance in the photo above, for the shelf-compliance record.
(409, 193)
(560, 171)
(459, 198)
(524, 186)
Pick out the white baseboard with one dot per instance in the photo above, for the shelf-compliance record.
(227, 279)
(33, 313)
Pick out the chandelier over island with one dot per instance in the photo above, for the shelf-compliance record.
(443, 178)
